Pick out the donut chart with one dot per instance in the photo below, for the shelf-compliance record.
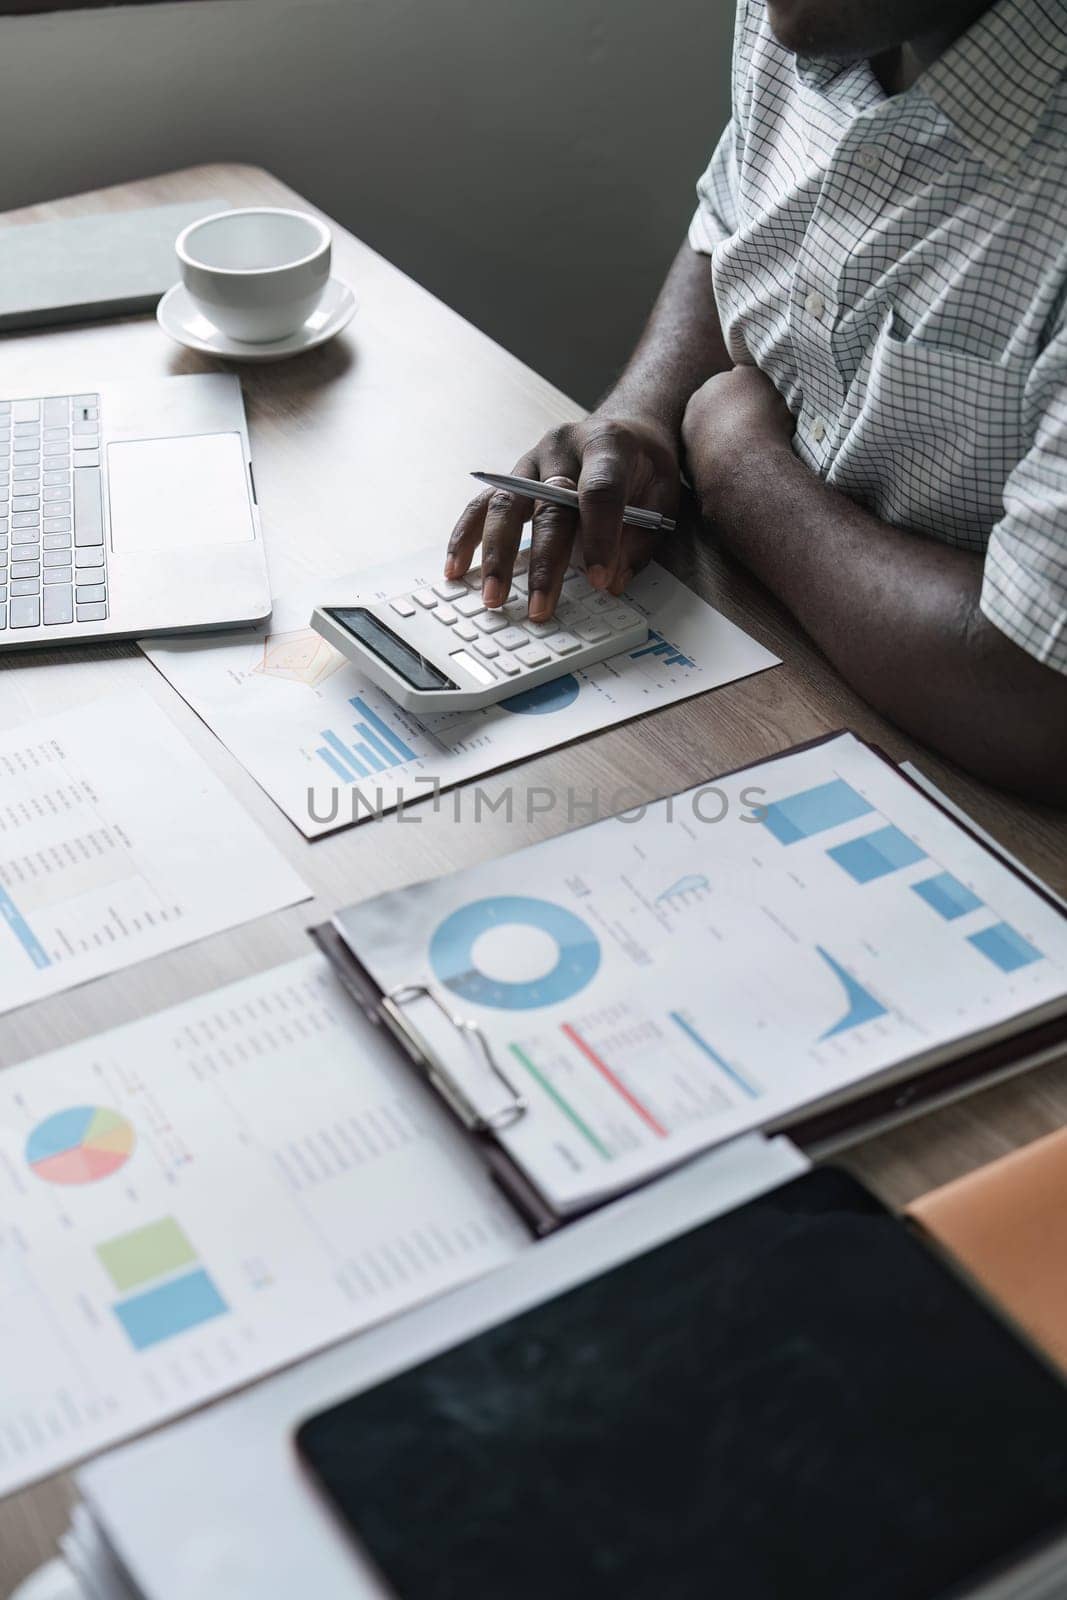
(555, 695)
(79, 1145)
(453, 955)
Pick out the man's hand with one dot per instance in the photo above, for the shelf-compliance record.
(612, 461)
(734, 415)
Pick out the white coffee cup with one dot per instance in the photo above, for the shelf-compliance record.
(256, 274)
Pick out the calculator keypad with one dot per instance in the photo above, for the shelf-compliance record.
(506, 643)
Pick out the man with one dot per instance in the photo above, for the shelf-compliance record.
(868, 387)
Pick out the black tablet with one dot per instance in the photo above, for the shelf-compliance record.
(797, 1401)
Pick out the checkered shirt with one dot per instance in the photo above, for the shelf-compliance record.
(898, 266)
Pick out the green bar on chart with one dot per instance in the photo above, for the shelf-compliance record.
(148, 1252)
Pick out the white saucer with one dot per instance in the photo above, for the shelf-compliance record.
(183, 321)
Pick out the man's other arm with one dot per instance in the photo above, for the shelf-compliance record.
(898, 614)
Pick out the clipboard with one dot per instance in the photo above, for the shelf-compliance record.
(867, 1111)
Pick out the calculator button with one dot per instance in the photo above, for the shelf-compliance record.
(541, 630)
(534, 655)
(25, 586)
(512, 639)
(569, 614)
(465, 631)
(26, 613)
(623, 618)
(593, 631)
(563, 643)
(491, 621)
(445, 614)
(574, 583)
(402, 607)
(508, 666)
(91, 591)
(449, 591)
(425, 597)
(480, 671)
(58, 606)
(470, 604)
(486, 647)
(94, 613)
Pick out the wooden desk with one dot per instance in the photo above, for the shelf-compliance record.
(362, 449)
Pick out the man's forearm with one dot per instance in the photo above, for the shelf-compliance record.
(682, 346)
(898, 616)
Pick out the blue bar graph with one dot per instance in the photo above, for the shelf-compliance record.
(378, 748)
(344, 754)
(335, 765)
(812, 811)
(862, 1005)
(947, 896)
(659, 646)
(10, 913)
(371, 757)
(713, 1055)
(877, 854)
(375, 724)
(1006, 949)
(172, 1308)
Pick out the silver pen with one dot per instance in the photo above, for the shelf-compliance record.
(531, 489)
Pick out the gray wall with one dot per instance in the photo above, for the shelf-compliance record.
(531, 161)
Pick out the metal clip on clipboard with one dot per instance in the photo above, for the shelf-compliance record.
(443, 1080)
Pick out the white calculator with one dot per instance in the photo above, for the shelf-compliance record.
(439, 649)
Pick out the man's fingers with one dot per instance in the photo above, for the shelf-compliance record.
(554, 528)
(607, 467)
(636, 550)
(502, 535)
(637, 546)
(466, 536)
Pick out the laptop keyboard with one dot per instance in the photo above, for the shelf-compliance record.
(53, 570)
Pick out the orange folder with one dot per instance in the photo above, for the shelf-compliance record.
(1007, 1225)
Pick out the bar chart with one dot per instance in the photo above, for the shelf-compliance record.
(376, 748)
(174, 1292)
(814, 811)
(877, 854)
(659, 646)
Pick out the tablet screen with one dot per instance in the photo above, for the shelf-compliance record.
(797, 1401)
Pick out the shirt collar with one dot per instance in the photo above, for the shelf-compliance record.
(995, 82)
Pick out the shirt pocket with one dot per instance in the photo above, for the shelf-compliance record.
(934, 435)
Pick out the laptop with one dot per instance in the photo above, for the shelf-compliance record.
(128, 510)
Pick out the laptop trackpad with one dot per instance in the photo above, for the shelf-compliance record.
(178, 494)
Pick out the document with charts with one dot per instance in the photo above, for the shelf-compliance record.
(658, 983)
(331, 749)
(192, 1200)
(109, 831)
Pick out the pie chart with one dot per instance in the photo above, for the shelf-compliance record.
(546, 698)
(79, 1145)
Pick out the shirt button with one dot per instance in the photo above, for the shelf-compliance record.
(868, 157)
(818, 430)
(815, 304)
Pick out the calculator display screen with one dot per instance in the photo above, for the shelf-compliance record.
(394, 651)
